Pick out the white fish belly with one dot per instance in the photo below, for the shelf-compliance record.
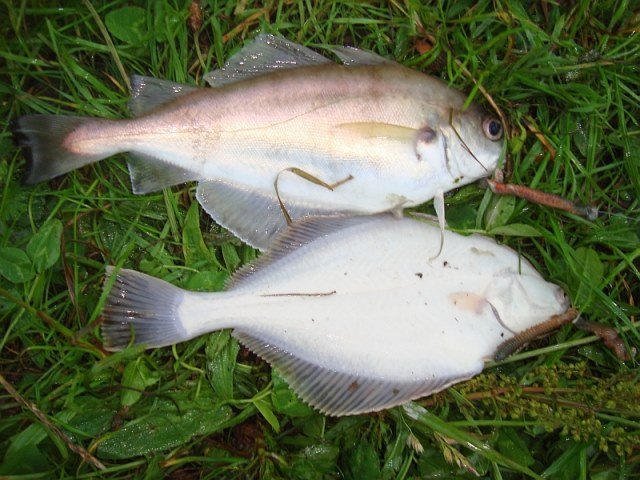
(389, 335)
(249, 141)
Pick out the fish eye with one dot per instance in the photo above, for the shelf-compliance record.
(492, 128)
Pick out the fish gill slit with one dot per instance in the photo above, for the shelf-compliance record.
(464, 144)
(494, 310)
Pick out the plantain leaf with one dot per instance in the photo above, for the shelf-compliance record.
(515, 230)
(164, 428)
(193, 246)
(285, 401)
(590, 274)
(128, 24)
(44, 246)
(136, 377)
(499, 211)
(15, 265)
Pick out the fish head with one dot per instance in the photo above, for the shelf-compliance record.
(522, 300)
(473, 144)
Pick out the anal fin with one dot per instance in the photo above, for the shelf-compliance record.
(149, 174)
(336, 393)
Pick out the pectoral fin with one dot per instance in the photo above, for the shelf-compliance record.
(381, 130)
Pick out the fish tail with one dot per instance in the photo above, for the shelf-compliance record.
(53, 144)
(141, 310)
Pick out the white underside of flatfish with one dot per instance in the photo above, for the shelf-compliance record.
(352, 310)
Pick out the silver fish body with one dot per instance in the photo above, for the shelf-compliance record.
(351, 310)
(365, 137)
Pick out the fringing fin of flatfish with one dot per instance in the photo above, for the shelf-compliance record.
(366, 136)
(350, 310)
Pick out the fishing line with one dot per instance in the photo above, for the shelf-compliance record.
(310, 178)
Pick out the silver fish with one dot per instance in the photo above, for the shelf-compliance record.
(364, 137)
(350, 310)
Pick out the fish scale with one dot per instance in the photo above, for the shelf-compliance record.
(388, 136)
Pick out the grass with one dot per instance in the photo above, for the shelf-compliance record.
(566, 79)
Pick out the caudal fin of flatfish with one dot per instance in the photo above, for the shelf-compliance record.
(141, 310)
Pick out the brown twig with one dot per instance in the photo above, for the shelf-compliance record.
(555, 322)
(86, 456)
(195, 16)
(533, 128)
(609, 337)
(542, 198)
(253, 18)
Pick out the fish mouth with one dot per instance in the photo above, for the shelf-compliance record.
(563, 299)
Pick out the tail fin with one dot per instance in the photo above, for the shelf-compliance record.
(45, 139)
(141, 310)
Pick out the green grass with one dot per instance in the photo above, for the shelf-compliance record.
(566, 78)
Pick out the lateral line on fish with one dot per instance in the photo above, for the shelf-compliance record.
(320, 294)
(282, 122)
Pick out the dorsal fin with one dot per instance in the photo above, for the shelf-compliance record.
(354, 56)
(297, 235)
(267, 53)
(148, 93)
